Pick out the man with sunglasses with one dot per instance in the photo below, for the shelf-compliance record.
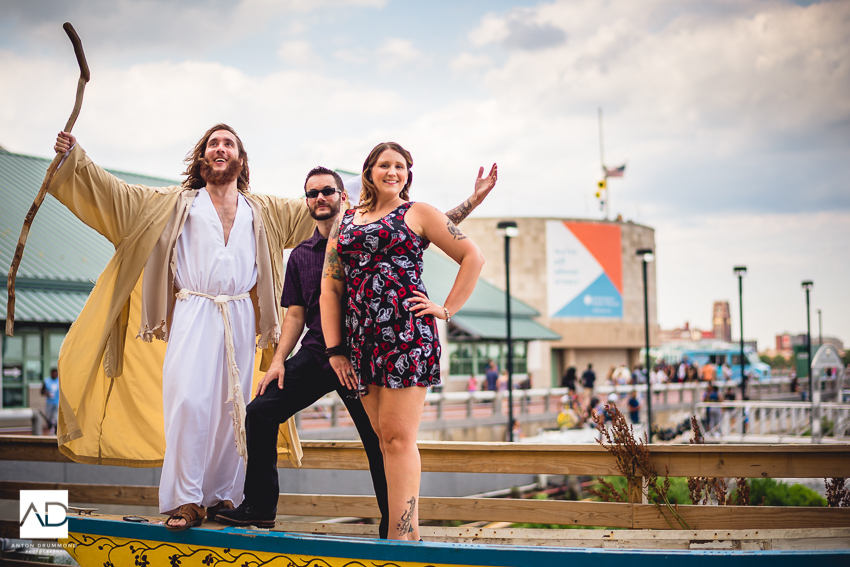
(292, 384)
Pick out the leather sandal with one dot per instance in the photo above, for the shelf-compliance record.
(193, 515)
(213, 511)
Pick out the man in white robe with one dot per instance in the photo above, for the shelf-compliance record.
(209, 360)
(200, 464)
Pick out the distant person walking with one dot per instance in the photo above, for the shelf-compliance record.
(492, 375)
(588, 379)
(622, 375)
(715, 413)
(568, 381)
(709, 373)
(634, 407)
(50, 390)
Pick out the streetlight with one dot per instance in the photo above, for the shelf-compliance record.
(741, 271)
(820, 331)
(508, 229)
(646, 256)
(807, 285)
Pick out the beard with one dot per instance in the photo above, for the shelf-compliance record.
(334, 211)
(224, 177)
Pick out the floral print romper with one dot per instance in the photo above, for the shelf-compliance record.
(389, 345)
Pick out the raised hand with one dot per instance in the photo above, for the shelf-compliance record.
(64, 142)
(483, 185)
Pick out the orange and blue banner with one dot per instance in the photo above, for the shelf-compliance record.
(584, 269)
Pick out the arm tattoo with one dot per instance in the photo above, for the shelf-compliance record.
(404, 525)
(454, 231)
(459, 213)
(333, 265)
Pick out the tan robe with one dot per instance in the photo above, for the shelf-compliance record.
(110, 408)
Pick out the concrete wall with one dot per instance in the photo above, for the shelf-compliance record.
(602, 342)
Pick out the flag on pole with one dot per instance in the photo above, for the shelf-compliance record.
(615, 171)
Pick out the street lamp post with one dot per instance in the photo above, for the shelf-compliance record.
(508, 230)
(807, 285)
(820, 331)
(741, 271)
(646, 256)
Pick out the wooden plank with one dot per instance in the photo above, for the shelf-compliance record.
(802, 538)
(745, 539)
(638, 516)
(466, 509)
(8, 562)
(10, 529)
(615, 515)
(87, 493)
(754, 464)
(775, 461)
(31, 448)
(646, 516)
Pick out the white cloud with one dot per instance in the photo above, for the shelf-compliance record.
(150, 28)
(492, 29)
(469, 63)
(396, 52)
(146, 117)
(299, 53)
(351, 57)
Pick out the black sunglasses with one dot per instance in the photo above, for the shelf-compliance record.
(327, 192)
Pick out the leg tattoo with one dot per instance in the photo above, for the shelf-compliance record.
(404, 526)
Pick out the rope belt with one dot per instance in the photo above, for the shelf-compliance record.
(235, 388)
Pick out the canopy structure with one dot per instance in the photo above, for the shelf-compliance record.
(483, 316)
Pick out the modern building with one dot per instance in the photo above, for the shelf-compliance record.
(786, 343)
(585, 280)
(685, 333)
(722, 321)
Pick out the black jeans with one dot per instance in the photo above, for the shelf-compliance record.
(305, 380)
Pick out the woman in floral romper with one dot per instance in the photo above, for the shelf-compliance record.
(389, 350)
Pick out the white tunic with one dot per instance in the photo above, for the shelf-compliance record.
(201, 463)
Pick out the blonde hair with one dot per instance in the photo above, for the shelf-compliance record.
(369, 193)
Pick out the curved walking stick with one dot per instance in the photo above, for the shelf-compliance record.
(51, 171)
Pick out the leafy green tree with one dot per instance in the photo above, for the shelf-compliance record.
(770, 492)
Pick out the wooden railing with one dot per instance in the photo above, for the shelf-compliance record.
(729, 461)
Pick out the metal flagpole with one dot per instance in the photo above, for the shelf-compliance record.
(602, 162)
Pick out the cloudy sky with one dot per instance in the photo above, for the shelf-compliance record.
(733, 116)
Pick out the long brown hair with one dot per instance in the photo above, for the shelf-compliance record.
(369, 193)
(195, 159)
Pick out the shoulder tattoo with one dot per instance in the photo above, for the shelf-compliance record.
(454, 230)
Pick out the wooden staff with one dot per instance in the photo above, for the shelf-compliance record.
(51, 171)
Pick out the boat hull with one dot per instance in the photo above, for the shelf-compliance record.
(111, 543)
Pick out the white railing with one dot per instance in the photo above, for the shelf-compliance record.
(545, 402)
(774, 422)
